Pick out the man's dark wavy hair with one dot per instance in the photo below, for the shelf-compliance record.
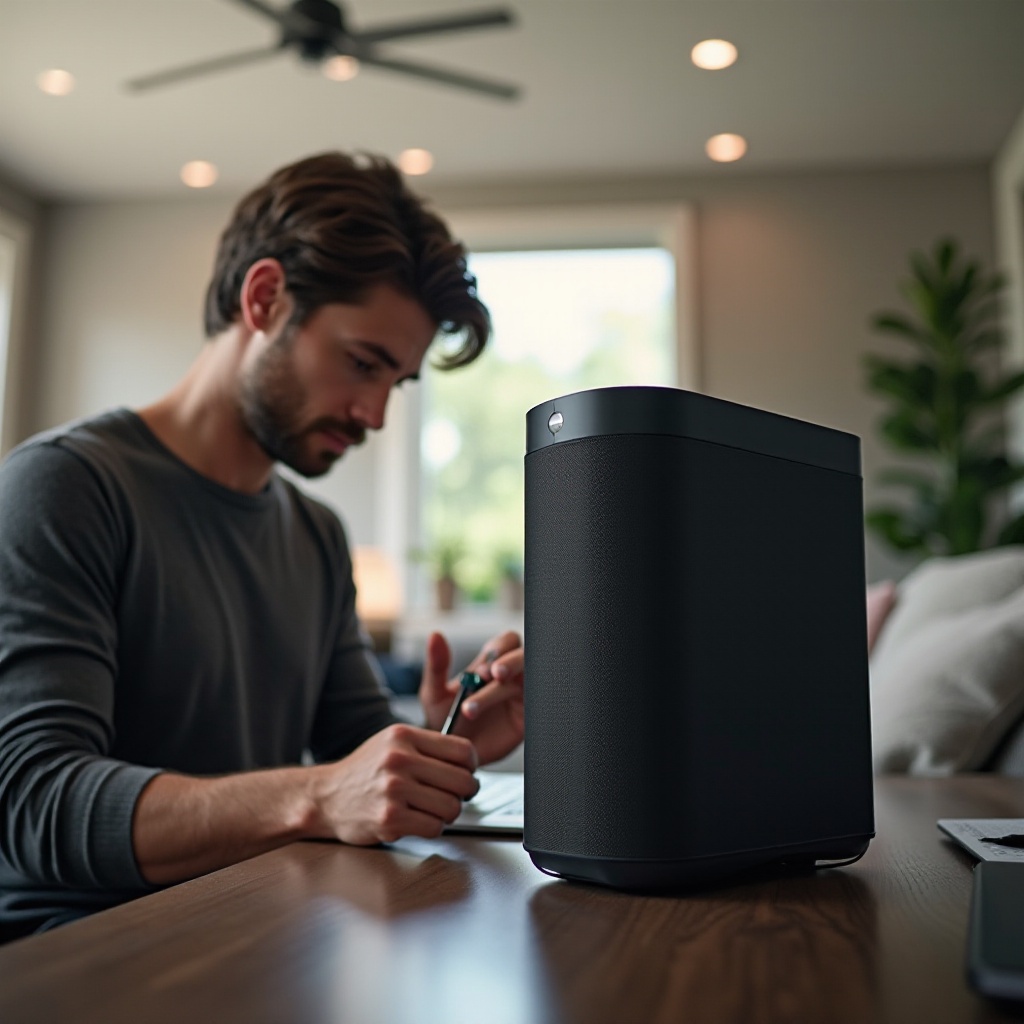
(338, 225)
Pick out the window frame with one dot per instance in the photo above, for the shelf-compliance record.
(670, 226)
(16, 238)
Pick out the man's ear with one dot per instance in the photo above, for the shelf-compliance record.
(262, 299)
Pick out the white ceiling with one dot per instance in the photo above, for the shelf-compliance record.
(608, 90)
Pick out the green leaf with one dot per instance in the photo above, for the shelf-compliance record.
(986, 305)
(992, 474)
(895, 323)
(926, 301)
(1012, 532)
(984, 340)
(989, 286)
(945, 254)
(924, 273)
(902, 430)
(963, 519)
(1001, 390)
(913, 384)
(894, 528)
(966, 387)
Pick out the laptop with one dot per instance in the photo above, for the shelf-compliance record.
(497, 809)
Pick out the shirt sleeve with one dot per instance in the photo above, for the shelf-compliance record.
(65, 806)
(354, 703)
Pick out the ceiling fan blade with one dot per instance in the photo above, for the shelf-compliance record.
(231, 60)
(273, 13)
(491, 88)
(287, 18)
(491, 17)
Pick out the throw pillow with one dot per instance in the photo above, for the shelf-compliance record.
(947, 676)
(943, 586)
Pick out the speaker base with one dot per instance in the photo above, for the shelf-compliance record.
(659, 875)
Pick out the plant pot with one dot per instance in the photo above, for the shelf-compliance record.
(446, 593)
(510, 596)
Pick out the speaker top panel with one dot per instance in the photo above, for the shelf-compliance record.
(678, 413)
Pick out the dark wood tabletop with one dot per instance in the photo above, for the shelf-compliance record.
(467, 931)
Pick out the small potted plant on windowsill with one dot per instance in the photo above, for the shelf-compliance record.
(510, 592)
(446, 557)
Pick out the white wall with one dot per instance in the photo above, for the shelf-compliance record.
(790, 269)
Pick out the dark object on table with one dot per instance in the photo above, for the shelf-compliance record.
(1015, 841)
(995, 941)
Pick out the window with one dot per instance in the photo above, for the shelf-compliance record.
(614, 308)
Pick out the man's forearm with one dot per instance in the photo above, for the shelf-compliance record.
(184, 826)
(401, 781)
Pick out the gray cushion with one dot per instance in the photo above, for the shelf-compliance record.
(944, 586)
(947, 674)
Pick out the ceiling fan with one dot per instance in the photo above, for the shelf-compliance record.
(318, 30)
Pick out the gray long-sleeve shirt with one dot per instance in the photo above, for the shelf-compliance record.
(152, 620)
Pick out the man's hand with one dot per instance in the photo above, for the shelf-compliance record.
(493, 716)
(403, 781)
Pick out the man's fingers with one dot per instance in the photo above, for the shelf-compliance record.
(494, 653)
(504, 676)
(455, 750)
(508, 667)
(410, 822)
(442, 794)
(490, 696)
(436, 664)
(441, 779)
(431, 778)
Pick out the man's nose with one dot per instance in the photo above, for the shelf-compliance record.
(369, 410)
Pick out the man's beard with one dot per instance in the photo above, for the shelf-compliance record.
(270, 400)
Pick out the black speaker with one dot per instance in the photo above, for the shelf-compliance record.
(696, 640)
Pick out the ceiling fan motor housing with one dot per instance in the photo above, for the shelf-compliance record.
(318, 31)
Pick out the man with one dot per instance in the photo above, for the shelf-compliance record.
(177, 621)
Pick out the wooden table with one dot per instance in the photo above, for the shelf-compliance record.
(466, 931)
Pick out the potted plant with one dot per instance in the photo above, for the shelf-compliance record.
(447, 554)
(946, 407)
(510, 571)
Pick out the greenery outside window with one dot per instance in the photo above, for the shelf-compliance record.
(580, 299)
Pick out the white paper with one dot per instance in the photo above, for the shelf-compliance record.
(969, 832)
(498, 807)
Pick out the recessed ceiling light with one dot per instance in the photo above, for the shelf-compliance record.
(415, 161)
(713, 54)
(199, 174)
(725, 147)
(341, 69)
(55, 82)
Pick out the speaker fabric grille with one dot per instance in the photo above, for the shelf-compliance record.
(695, 656)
